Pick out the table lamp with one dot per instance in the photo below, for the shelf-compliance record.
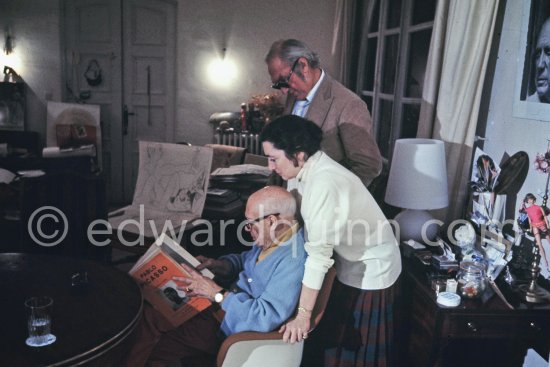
(417, 183)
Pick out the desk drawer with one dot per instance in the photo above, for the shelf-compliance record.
(497, 326)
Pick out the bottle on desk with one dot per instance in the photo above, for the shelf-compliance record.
(244, 117)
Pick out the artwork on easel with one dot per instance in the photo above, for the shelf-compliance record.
(12, 106)
(73, 125)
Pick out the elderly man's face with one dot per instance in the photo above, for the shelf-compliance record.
(279, 70)
(260, 224)
(542, 63)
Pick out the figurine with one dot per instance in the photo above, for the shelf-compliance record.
(538, 222)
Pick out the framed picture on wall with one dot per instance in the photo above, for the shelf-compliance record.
(12, 106)
(532, 95)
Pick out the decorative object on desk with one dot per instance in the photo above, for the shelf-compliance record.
(533, 221)
(487, 207)
(471, 280)
(542, 165)
(417, 182)
(12, 105)
(448, 299)
(270, 107)
(531, 291)
(465, 238)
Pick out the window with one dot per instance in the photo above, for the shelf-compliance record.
(392, 65)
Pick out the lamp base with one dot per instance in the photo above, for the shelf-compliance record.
(418, 225)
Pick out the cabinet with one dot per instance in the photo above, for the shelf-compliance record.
(79, 196)
(476, 333)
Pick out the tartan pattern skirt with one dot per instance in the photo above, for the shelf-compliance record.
(356, 330)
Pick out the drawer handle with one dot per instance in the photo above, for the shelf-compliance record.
(534, 326)
(472, 326)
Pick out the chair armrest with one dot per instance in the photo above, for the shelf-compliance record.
(244, 336)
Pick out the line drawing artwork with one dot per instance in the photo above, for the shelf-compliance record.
(171, 185)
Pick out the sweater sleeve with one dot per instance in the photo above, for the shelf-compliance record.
(237, 263)
(273, 307)
(325, 215)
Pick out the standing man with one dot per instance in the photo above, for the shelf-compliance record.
(341, 114)
(542, 66)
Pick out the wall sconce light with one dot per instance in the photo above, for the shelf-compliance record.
(8, 41)
(222, 71)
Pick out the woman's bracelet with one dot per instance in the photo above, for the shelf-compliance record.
(303, 310)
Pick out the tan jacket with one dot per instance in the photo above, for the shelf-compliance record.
(347, 128)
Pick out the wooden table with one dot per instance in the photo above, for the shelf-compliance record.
(93, 323)
(476, 333)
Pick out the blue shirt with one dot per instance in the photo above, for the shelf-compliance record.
(300, 107)
(269, 289)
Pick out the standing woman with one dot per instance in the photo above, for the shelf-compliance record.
(345, 227)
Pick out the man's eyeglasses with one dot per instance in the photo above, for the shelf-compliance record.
(248, 225)
(283, 83)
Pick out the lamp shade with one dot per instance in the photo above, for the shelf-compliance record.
(418, 175)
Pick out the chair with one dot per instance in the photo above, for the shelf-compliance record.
(249, 348)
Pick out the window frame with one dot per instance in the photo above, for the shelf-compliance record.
(399, 101)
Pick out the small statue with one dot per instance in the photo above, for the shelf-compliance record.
(538, 222)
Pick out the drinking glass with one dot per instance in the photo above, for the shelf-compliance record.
(39, 321)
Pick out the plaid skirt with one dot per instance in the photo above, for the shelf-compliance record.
(356, 330)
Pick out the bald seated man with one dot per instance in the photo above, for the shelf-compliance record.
(260, 299)
(542, 66)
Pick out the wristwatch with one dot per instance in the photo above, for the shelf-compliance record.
(218, 297)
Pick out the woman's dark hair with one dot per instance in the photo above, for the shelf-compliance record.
(293, 134)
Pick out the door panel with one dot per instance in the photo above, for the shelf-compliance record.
(142, 78)
(149, 77)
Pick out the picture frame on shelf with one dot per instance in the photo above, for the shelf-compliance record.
(526, 103)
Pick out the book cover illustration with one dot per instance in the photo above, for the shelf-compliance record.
(155, 270)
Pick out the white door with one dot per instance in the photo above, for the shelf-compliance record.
(133, 42)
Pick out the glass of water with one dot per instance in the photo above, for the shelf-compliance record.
(39, 321)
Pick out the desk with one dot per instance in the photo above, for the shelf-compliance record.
(92, 324)
(472, 334)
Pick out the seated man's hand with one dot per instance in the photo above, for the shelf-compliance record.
(218, 267)
(197, 285)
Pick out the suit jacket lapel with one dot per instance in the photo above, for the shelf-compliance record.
(319, 107)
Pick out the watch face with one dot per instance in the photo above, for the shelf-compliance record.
(218, 297)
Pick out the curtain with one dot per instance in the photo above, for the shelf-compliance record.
(342, 39)
(457, 62)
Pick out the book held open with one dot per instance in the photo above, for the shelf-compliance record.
(155, 270)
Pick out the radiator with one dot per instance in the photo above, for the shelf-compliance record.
(249, 141)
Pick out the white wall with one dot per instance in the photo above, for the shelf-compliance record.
(506, 133)
(246, 27)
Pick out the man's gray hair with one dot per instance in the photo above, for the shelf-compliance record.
(290, 50)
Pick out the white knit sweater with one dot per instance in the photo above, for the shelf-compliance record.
(344, 222)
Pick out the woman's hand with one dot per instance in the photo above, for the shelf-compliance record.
(197, 285)
(296, 329)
